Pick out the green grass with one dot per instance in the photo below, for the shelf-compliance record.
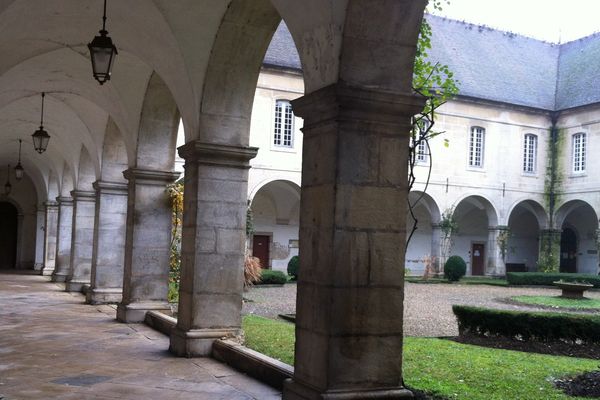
(446, 368)
(559, 302)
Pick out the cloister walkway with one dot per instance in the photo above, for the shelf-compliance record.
(53, 346)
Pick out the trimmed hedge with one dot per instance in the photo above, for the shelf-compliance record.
(292, 267)
(539, 326)
(548, 279)
(270, 277)
(455, 268)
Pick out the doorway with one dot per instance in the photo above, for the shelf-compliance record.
(568, 251)
(477, 258)
(260, 249)
(8, 235)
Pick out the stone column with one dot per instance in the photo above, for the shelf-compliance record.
(495, 262)
(84, 207)
(63, 240)
(549, 255)
(213, 243)
(352, 227)
(50, 237)
(108, 253)
(40, 239)
(147, 244)
(436, 248)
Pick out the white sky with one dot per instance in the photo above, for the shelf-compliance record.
(550, 20)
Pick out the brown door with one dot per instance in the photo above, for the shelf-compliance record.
(260, 249)
(477, 258)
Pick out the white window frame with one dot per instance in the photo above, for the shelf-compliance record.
(579, 150)
(421, 150)
(530, 152)
(283, 125)
(476, 147)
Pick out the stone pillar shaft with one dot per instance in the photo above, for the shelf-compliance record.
(352, 230)
(213, 243)
(84, 208)
(436, 248)
(495, 264)
(63, 242)
(147, 244)
(108, 254)
(50, 237)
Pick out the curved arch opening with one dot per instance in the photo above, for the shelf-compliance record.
(8, 235)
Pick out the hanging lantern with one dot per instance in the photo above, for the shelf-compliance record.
(102, 52)
(41, 137)
(19, 170)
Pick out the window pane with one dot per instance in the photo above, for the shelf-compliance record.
(283, 130)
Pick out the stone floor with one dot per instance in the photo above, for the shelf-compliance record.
(53, 346)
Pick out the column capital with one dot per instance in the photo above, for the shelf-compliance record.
(118, 188)
(50, 204)
(349, 103)
(498, 228)
(217, 154)
(150, 176)
(83, 195)
(64, 200)
(551, 231)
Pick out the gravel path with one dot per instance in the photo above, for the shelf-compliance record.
(427, 307)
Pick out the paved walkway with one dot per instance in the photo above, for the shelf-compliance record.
(53, 346)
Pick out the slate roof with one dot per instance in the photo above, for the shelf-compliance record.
(494, 65)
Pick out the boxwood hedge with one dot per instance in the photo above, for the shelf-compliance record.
(270, 277)
(542, 278)
(539, 326)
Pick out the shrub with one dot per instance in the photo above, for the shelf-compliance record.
(455, 268)
(292, 268)
(548, 279)
(270, 277)
(540, 326)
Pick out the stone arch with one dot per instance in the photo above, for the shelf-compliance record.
(579, 217)
(425, 239)
(67, 181)
(53, 186)
(535, 208)
(481, 202)
(114, 154)
(276, 214)
(239, 49)
(525, 220)
(86, 172)
(159, 121)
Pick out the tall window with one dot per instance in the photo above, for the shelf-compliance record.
(421, 153)
(530, 153)
(476, 143)
(284, 124)
(579, 144)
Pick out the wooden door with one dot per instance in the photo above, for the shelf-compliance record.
(477, 258)
(260, 249)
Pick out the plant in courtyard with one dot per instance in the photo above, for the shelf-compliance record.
(449, 228)
(502, 241)
(270, 277)
(292, 267)
(175, 192)
(252, 270)
(455, 268)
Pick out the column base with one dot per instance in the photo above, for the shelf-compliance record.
(198, 342)
(47, 271)
(293, 390)
(75, 286)
(136, 312)
(104, 296)
(59, 277)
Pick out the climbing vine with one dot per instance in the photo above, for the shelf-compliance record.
(449, 228)
(175, 192)
(503, 237)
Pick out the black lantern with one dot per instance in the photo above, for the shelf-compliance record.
(19, 168)
(7, 185)
(102, 52)
(41, 137)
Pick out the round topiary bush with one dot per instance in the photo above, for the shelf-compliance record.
(455, 268)
(292, 268)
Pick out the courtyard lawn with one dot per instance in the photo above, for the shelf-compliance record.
(446, 368)
(467, 280)
(559, 302)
